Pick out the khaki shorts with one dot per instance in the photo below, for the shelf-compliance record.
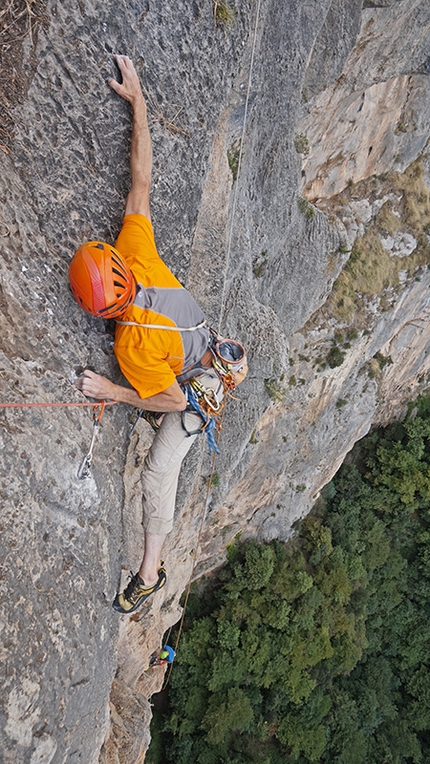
(164, 459)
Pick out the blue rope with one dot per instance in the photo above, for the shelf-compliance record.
(208, 420)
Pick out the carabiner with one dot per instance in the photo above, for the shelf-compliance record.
(84, 470)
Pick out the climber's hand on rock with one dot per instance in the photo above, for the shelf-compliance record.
(129, 88)
(95, 386)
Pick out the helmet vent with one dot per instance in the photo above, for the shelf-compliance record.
(118, 273)
(118, 263)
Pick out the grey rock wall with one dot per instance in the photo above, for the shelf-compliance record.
(74, 685)
(376, 115)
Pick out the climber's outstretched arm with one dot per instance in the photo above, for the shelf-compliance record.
(141, 144)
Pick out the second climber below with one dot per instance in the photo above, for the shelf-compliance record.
(179, 370)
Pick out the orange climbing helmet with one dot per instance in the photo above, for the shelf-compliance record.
(100, 280)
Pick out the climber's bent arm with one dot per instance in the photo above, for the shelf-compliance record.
(95, 386)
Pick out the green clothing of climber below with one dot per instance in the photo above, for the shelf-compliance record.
(166, 656)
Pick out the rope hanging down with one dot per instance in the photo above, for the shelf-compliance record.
(188, 587)
(190, 580)
(239, 166)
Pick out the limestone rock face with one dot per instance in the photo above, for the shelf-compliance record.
(337, 93)
(376, 114)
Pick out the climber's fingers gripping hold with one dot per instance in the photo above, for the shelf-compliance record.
(95, 386)
(129, 88)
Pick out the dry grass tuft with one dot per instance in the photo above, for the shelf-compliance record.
(416, 198)
(167, 117)
(388, 221)
(224, 14)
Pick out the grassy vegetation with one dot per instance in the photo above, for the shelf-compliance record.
(377, 364)
(306, 208)
(301, 144)
(335, 356)
(259, 264)
(341, 402)
(371, 270)
(275, 390)
(233, 157)
(224, 14)
(213, 480)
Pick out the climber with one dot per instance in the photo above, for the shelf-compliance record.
(165, 656)
(179, 370)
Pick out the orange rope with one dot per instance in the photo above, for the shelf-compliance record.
(52, 405)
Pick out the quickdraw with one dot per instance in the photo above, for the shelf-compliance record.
(84, 470)
(227, 377)
(208, 397)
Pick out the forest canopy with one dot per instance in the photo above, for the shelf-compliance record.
(317, 650)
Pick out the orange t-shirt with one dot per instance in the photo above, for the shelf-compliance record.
(152, 358)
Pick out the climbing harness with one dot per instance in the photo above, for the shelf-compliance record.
(208, 396)
(224, 355)
(84, 470)
(228, 356)
(199, 401)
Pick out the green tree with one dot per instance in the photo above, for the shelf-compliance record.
(318, 650)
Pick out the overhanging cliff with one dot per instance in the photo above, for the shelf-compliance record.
(315, 256)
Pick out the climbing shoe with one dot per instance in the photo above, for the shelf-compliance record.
(136, 592)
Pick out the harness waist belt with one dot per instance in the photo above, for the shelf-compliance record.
(198, 368)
